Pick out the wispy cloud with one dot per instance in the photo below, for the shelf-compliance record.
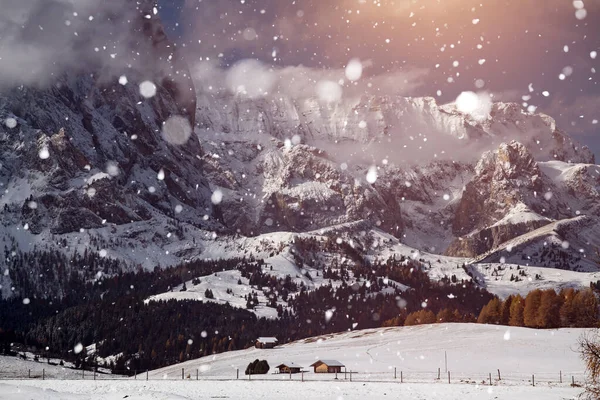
(41, 39)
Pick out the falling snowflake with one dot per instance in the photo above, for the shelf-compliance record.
(328, 315)
(478, 106)
(161, 175)
(44, 153)
(217, 197)
(10, 123)
(147, 89)
(581, 13)
(372, 175)
(123, 80)
(78, 348)
(112, 169)
(176, 130)
(354, 70)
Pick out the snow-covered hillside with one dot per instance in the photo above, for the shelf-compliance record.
(473, 352)
(493, 274)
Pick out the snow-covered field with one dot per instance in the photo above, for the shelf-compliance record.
(473, 352)
(14, 367)
(170, 390)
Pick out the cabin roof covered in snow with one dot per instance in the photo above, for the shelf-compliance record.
(289, 365)
(330, 363)
(267, 340)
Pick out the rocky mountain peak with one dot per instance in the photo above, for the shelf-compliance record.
(510, 161)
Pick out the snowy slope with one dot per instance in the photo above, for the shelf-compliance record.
(219, 284)
(492, 272)
(569, 243)
(473, 351)
(16, 368)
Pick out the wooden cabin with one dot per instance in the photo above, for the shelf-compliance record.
(327, 366)
(266, 342)
(289, 368)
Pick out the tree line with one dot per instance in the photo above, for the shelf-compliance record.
(544, 309)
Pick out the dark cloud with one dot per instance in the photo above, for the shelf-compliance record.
(41, 39)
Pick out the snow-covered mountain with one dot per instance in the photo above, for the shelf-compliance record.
(107, 165)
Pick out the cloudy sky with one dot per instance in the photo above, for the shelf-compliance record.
(541, 53)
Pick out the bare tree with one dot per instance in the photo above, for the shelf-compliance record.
(589, 348)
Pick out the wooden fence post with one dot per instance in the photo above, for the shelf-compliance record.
(401, 377)
(533, 379)
(291, 375)
(448, 376)
(237, 373)
(82, 373)
(345, 375)
(134, 374)
(439, 374)
(197, 374)
(29, 374)
(43, 374)
(573, 381)
(499, 377)
(490, 379)
(350, 375)
(146, 374)
(302, 372)
(394, 373)
(560, 376)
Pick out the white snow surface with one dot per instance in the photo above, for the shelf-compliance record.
(170, 390)
(473, 352)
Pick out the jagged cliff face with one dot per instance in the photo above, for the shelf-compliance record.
(512, 194)
(424, 156)
(87, 149)
(388, 126)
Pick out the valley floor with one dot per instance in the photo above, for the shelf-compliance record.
(174, 390)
